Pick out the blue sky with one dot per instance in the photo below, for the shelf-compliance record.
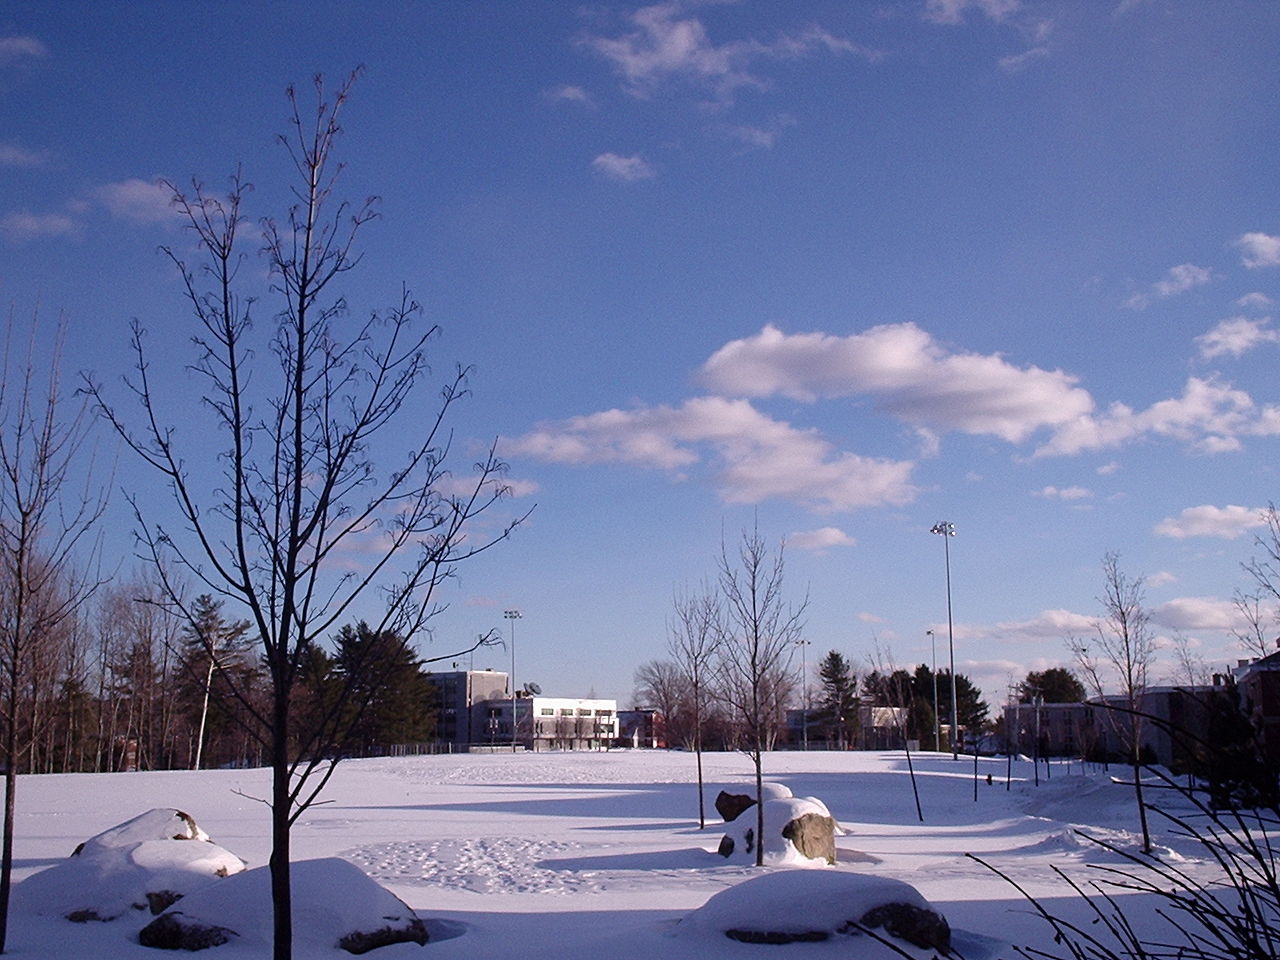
(841, 269)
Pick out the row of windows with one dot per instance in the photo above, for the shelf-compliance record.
(569, 712)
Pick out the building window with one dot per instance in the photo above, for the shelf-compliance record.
(548, 711)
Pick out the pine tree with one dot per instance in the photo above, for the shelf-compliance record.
(838, 699)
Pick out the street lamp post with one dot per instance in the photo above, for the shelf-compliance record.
(512, 616)
(946, 529)
(804, 695)
(937, 720)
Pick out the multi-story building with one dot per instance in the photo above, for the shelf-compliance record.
(456, 695)
(474, 710)
(1258, 682)
(1050, 729)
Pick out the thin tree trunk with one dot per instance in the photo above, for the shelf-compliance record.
(281, 893)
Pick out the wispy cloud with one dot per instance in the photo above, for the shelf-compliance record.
(1064, 493)
(627, 169)
(1259, 250)
(14, 155)
(1210, 417)
(1179, 279)
(954, 11)
(571, 94)
(755, 457)
(13, 49)
(1020, 61)
(138, 201)
(1254, 301)
(22, 226)
(1227, 523)
(821, 540)
(909, 374)
(1235, 337)
(666, 45)
(764, 135)
(1199, 613)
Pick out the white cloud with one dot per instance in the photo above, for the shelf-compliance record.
(1160, 578)
(761, 136)
(911, 376)
(1047, 625)
(13, 155)
(820, 540)
(464, 486)
(1227, 522)
(1255, 300)
(1210, 417)
(1199, 613)
(1064, 493)
(664, 45)
(626, 169)
(953, 11)
(1107, 469)
(1235, 336)
(13, 49)
(1259, 250)
(138, 201)
(758, 458)
(865, 617)
(1179, 279)
(1020, 61)
(570, 93)
(22, 226)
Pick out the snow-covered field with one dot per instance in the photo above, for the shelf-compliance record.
(579, 855)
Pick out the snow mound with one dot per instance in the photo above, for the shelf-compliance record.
(1098, 845)
(804, 906)
(336, 906)
(144, 863)
(779, 849)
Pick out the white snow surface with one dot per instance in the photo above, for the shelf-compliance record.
(584, 855)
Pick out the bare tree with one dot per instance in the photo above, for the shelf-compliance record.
(274, 522)
(660, 685)
(1124, 646)
(760, 630)
(46, 517)
(1262, 607)
(694, 636)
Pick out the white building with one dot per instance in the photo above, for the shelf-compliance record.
(549, 723)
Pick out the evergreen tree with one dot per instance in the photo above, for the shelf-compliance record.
(389, 697)
(838, 699)
(218, 677)
(1055, 685)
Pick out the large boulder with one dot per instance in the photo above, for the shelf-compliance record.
(730, 806)
(146, 863)
(335, 905)
(794, 906)
(797, 830)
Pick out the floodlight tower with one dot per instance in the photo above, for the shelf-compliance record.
(512, 616)
(946, 529)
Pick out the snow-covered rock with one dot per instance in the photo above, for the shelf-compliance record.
(148, 862)
(797, 831)
(806, 905)
(336, 906)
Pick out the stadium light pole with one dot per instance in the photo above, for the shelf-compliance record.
(512, 616)
(946, 529)
(937, 721)
(804, 691)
